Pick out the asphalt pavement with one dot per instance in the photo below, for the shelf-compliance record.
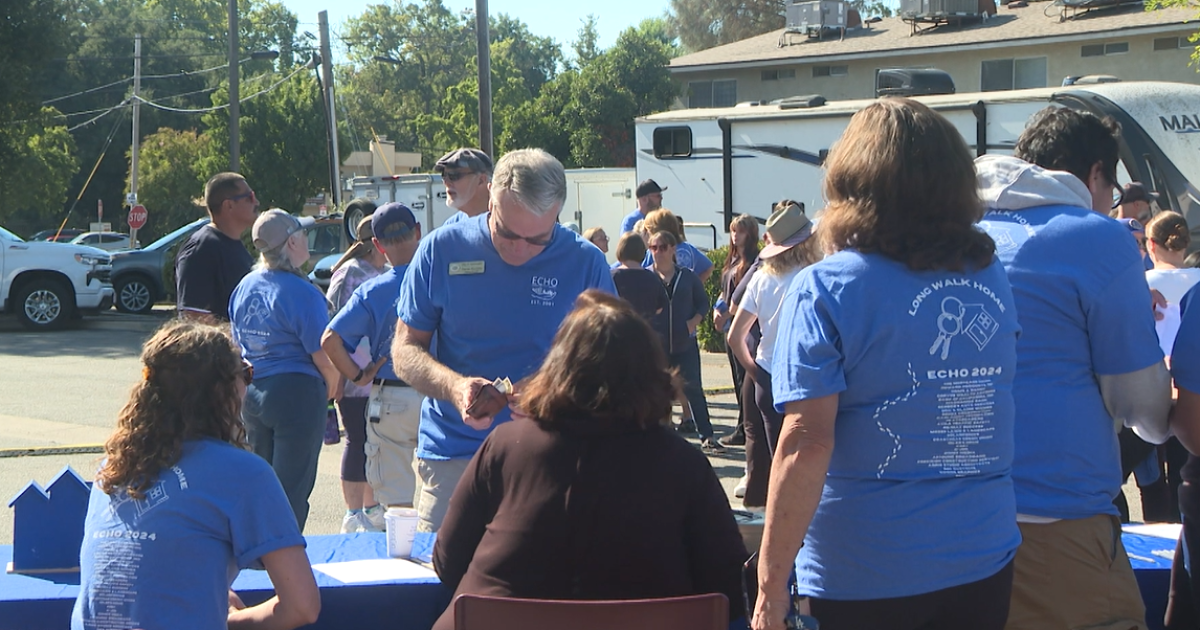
(60, 393)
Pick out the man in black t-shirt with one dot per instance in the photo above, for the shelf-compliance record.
(214, 260)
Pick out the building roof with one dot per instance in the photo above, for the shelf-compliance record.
(1036, 23)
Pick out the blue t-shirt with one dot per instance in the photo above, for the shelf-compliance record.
(918, 496)
(371, 313)
(455, 218)
(167, 561)
(1185, 355)
(490, 319)
(278, 319)
(686, 256)
(1082, 298)
(631, 220)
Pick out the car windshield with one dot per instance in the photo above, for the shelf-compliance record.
(9, 236)
(170, 237)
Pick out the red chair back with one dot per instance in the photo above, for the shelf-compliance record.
(694, 612)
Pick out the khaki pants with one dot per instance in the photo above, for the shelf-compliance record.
(436, 481)
(1074, 575)
(393, 419)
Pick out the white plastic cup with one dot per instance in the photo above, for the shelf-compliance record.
(401, 530)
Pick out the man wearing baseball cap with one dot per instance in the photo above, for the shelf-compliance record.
(1135, 202)
(466, 173)
(649, 199)
(394, 408)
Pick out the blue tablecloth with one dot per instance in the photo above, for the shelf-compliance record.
(45, 602)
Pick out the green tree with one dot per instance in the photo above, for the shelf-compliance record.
(39, 159)
(702, 24)
(587, 43)
(171, 182)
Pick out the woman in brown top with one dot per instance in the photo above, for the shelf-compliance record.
(591, 495)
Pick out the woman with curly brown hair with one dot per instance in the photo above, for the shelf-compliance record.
(180, 505)
(590, 494)
(902, 344)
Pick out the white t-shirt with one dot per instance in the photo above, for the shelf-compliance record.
(764, 295)
(1173, 284)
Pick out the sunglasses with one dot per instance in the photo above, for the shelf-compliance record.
(505, 233)
(659, 248)
(249, 194)
(247, 372)
(454, 176)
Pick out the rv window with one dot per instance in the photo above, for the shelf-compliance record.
(672, 142)
(722, 93)
(830, 71)
(1012, 74)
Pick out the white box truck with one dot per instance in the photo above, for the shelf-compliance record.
(718, 163)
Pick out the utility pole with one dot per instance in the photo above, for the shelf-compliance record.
(133, 174)
(483, 52)
(234, 106)
(335, 171)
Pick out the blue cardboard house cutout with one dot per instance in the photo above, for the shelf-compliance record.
(48, 524)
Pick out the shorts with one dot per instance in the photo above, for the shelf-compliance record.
(393, 418)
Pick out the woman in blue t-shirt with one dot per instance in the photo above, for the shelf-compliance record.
(893, 364)
(278, 318)
(179, 505)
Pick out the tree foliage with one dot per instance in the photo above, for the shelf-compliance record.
(171, 179)
(702, 24)
(1154, 5)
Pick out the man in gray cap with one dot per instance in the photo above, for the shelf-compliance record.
(649, 199)
(466, 173)
(1135, 202)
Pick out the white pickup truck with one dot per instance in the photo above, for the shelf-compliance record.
(47, 284)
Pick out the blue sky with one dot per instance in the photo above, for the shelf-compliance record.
(558, 20)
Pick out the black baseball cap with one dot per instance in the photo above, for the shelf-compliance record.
(649, 187)
(1136, 191)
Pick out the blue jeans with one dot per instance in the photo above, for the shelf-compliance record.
(688, 363)
(285, 425)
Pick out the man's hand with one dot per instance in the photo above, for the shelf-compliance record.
(235, 602)
(465, 393)
(370, 371)
(1157, 301)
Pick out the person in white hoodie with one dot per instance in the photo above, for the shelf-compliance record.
(1088, 363)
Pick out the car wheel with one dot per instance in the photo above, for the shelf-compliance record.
(134, 295)
(45, 304)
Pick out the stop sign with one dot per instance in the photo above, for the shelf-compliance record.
(137, 217)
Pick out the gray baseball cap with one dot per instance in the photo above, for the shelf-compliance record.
(273, 228)
(472, 159)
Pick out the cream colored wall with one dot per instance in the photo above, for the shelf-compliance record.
(1142, 62)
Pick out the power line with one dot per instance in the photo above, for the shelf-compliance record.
(102, 115)
(220, 107)
(87, 91)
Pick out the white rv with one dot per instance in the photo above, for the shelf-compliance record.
(718, 163)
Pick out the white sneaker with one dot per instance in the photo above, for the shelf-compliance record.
(373, 519)
(354, 523)
(739, 490)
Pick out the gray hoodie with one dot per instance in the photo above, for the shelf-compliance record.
(1140, 400)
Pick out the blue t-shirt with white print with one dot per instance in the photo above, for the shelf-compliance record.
(1185, 355)
(371, 314)
(918, 496)
(167, 560)
(278, 319)
(490, 319)
(1083, 302)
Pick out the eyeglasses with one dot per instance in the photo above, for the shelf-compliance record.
(249, 194)
(454, 176)
(247, 372)
(505, 233)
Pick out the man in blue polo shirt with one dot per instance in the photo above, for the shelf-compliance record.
(649, 199)
(1088, 363)
(494, 288)
(394, 408)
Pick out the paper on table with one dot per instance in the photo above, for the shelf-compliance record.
(374, 570)
(1169, 531)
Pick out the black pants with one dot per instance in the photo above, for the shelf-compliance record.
(739, 375)
(758, 450)
(981, 605)
(765, 400)
(1183, 604)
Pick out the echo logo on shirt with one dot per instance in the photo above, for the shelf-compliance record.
(543, 291)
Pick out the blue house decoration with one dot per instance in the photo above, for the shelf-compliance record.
(48, 524)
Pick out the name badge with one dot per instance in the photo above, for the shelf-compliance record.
(468, 268)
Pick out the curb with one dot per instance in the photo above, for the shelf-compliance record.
(34, 451)
(717, 391)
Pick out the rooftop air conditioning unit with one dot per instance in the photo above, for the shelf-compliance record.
(816, 16)
(932, 9)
